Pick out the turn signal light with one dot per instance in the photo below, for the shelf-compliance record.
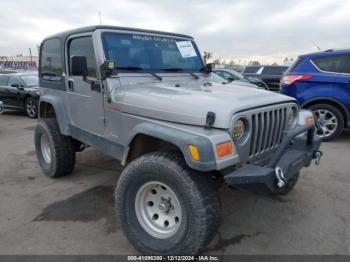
(194, 152)
(224, 149)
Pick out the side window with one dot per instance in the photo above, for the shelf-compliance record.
(220, 73)
(14, 81)
(274, 70)
(228, 75)
(83, 46)
(346, 68)
(4, 79)
(330, 63)
(51, 60)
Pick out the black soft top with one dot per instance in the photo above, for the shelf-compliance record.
(65, 34)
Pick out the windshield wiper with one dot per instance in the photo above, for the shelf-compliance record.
(137, 68)
(175, 69)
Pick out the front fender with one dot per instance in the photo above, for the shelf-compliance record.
(60, 112)
(181, 139)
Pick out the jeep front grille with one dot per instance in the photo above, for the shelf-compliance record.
(267, 128)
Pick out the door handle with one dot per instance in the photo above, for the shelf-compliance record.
(71, 84)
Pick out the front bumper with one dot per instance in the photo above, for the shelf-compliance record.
(294, 153)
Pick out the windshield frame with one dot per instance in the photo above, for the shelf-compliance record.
(145, 70)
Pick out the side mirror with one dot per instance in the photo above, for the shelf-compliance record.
(209, 68)
(79, 66)
(107, 68)
(18, 86)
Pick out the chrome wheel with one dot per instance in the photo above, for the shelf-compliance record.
(158, 210)
(30, 107)
(45, 148)
(327, 121)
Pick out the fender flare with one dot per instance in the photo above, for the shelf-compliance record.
(180, 139)
(59, 109)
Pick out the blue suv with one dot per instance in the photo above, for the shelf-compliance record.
(321, 82)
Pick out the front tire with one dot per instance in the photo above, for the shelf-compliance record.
(55, 152)
(166, 208)
(31, 107)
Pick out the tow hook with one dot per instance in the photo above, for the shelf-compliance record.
(280, 177)
(317, 156)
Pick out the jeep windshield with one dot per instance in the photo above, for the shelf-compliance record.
(151, 53)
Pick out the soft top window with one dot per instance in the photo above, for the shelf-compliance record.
(151, 53)
(51, 60)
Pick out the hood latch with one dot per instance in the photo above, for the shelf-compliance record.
(210, 119)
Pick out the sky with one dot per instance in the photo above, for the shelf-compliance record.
(239, 30)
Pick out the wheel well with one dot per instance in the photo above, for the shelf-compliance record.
(46, 110)
(332, 103)
(25, 98)
(143, 144)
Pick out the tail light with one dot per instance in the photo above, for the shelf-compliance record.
(290, 79)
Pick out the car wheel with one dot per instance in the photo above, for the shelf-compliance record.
(166, 208)
(54, 151)
(31, 107)
(330, 121)
(289, 186)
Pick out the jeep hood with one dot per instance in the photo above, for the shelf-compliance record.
(189, 103)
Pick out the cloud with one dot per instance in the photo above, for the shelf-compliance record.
(240, 30)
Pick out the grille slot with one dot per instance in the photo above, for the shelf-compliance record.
(267, 130)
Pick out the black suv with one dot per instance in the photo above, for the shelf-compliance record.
(20, 91)
(271, 75)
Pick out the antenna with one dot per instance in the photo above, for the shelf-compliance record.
(99, 16)
(318, 48)
(31, 58)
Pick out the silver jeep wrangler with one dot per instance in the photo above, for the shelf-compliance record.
(143, 97)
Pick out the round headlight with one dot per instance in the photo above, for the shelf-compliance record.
(239, 129)
(291, 116)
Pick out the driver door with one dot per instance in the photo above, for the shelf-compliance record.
(12, 92)
(85, 101)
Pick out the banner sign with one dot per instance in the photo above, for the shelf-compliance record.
(17, 64)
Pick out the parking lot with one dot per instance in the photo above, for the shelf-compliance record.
(75, 214)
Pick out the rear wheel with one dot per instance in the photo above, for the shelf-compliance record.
(166, 208)
(54, 151)
(330, 121)
(31, 107)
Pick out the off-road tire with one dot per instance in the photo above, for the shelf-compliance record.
(337, 114)
(61, 147)
(289, 186)
(197, 194)
(31, 107)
